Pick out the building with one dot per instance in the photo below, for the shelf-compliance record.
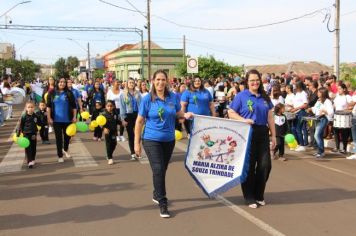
(7, 51)
(298, 67)
(126, 61)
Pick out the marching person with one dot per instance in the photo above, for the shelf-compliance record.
(110, 129)
(158, 111)
(254, 106)
(197, 100)
(42, 115)
(341, 103)
(61, 112)
(98, 131)
(281, 125)
(130, 100)
(323, 109)
(28, 126)
(114, 95)
(95, 94)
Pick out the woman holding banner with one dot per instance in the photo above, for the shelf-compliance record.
(197, 100)
(255, 107)
(158, 111)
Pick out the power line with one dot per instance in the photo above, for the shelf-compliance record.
(310, 14)
(348, 13)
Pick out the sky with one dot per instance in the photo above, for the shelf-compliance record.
(305, 39)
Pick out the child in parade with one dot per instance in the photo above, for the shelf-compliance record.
(28, 126)
(42, 115)
(281, 125)
(98, 132)
(110, 130)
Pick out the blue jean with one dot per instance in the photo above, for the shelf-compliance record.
(1, 116)
(319, 134)
(299, 129)
(353, 130)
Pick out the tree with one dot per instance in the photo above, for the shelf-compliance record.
(348, 73)
(98, 73)
(24, 69)
(72, 62)
(209, 67)
(61, 68)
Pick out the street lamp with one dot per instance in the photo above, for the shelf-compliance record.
(87, 51)
(23, 2)
(24, 44)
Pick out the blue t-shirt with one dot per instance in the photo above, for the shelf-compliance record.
(61, 108)
(179, 96)
(198, 101)
(76, 95)
(253, 107)
(88, 87)
(133, 103)
(157, 129)
(97, 96)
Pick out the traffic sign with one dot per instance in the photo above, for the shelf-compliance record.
(192, 65)
(8, 71)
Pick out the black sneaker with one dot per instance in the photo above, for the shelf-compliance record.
(335, 150)
(164, 213)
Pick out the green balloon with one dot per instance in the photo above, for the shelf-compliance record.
(23, 142)
(82, 126)
(289, 138)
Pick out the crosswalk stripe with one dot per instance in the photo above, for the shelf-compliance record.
(13, 160)
(80, 154)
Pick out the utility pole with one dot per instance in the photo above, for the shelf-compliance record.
(89, 69)
(184, 48)
(337, 40)
(149, 39)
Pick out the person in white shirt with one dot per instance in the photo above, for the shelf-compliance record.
(290, 98)
(114, 95)
(341, 103)
(221, 99)
(324, 110)
(143, 89)
(299, 128)
(276, 96)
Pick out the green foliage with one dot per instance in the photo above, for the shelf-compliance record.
(23, 69)
(72, 62)
(348, 73)
(209, 67)
(98, 73)
(61, 68)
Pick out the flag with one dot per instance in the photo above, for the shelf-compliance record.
(218, 153)
(37, 90)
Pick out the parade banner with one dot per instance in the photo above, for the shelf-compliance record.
(38, 91)
(218, 153)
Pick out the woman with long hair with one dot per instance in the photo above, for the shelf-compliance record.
(8, 98)
(299, 128)
(114, 95)
(254, 107)
(130, 100)
(158, 111)
(95, 94)
(323, 109)
(62, 111)
(197, 100)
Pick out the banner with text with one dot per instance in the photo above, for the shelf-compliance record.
(218, 153)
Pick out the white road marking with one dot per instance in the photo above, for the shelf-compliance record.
(13, 160)
(80, 154)
(125, 145)
(333, 169)
(259, 223)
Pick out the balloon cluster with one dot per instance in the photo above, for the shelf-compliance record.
(22, 141)
(291, 141)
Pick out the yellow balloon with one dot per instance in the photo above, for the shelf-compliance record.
(94, 123)
(294, 144)
(45, 97)
(85, 115)
(91, 128)
(38, 127)
(14, 138)
(101, 120)
(71, 130)
(178, 135)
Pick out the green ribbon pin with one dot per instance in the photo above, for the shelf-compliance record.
(195, 99)
(249, 104)
(160, 113)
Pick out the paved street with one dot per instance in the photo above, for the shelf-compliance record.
(86, 196)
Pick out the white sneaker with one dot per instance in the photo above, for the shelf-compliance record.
(60, 160)
(67, 154)
(133, 157)
(123, 139)
(110, 161)
(262, 203)
(300, 149)
(352, 157)
(118, 139)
